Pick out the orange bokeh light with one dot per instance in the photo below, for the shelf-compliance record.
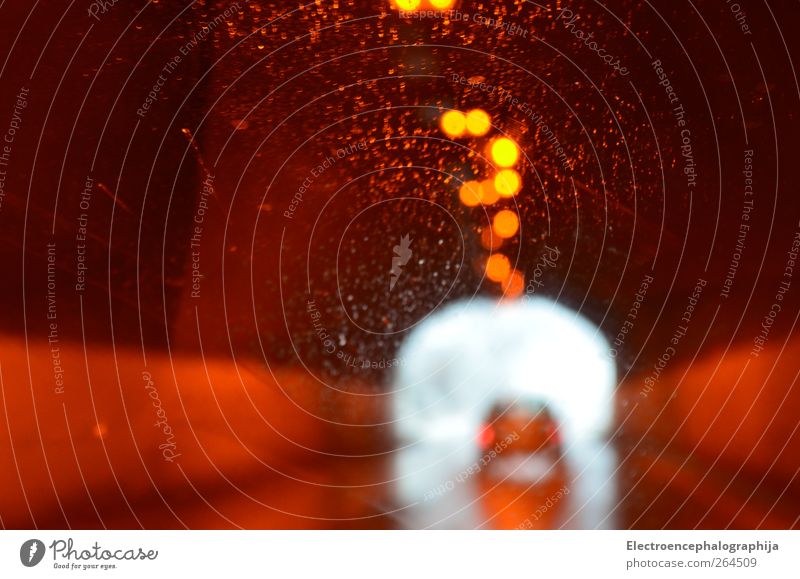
(470, 193)
(514, 284)
(505, 224)
(489, 240)
(498, 267)
(489, 194)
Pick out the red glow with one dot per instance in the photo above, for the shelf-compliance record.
(486, 436)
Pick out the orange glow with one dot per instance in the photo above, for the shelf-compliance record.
(508, 182)
(514, 284)
(504, 152)
(489, 240)
(489, 194)
(498, 267)
(407, 4)
(505, 224)
(470, 193)
(478, 122)
(453, 123)
(442, 4)
(100, 430)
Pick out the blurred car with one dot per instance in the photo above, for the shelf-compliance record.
(523, 425)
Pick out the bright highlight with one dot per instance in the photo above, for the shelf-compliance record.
(407, 4)
(478, 122)
(504, 152)
(508, 183)
(453, 123)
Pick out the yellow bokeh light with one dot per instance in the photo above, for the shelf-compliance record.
(498, 267)
(470, 193)
(442, 4)
(407, 4)
(478, 122)
(505, 224)
(508, 183)
(453, 123)
(489, 194)
(504, 152)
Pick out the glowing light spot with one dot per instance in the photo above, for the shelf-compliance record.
(507, 182)
(535, 350)
(470, 193)
(478, 122)
(486, 436)
(489, 194)
(514, 284)
(100, 430)
(498, 267)
(407, 4)
(441, 4)
(454, 123)
(504, 152)
(505, 224)
(489, 240)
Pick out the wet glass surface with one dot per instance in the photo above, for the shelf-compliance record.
(226, 224)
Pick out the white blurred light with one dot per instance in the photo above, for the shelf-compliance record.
(464, 359)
